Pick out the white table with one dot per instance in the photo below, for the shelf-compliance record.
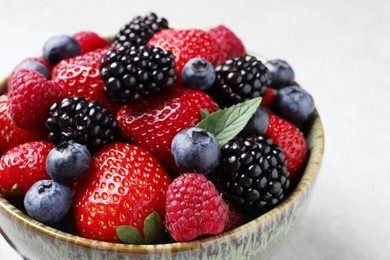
(340, 51)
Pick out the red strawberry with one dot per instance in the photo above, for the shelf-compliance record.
(291, 141)
(268, 98)
(22, 166)
(194, 207)
(89, 41)
(188, 44)
(153, 123)
(124, 185)
(80, 76)
(30, 98)
(228, 42)
(10, 135)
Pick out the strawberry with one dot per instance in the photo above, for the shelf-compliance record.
(153, 123)
(268, 98)
(89, 41)
(228, 42)
(188, 44)
(30, 98)
(292, 142)
(124, 185)
(10, 135)
(194, 207)
(80, 76)
(22, 166)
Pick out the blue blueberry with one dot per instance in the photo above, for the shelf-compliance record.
(60, 47)
(48, 201)
(34, 65)
(258, 124)
(198, 74)
(294, 104)
(282, 73)
(196, 150)
(68, 161)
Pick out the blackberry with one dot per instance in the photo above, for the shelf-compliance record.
(253, 173)
(87, 123)
(239, 79)
(139, 30)
(134, 73)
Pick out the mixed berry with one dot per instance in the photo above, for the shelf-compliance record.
(156, 136)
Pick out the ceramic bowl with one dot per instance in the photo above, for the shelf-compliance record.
(257, 239)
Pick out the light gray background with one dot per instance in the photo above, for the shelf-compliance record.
(340, 51)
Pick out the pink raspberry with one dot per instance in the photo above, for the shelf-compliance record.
(194, 207)
(228, 42)
(30, 97)
(90, 41)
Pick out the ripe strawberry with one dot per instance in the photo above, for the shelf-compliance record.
(153, 123)
(268, 98)
(188, 44)
(194, 207)
(30, 98)
(228, 42)
(80, 76)
(10, 135)
(21, 167)
(89, 41)
(292, 142)
(124, 185)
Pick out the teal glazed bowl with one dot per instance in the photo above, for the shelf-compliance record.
(257, 239)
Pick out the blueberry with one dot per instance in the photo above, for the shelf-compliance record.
(48, 201)
(258, 124)
(196, 150)
(281, 73)
(198, 74)
(34, 65)
(294, 104)
(68, 161)
(59, 48)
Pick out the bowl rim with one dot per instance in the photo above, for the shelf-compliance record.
(309, 175)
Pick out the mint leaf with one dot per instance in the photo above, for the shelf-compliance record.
(129, 235)
(152, 227)
(226, 123)
(204, 113)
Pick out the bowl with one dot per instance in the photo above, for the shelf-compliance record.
(257, 239)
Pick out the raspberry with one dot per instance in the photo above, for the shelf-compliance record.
(194, 207)
(30, 97)
(229, 43)
(89, 41)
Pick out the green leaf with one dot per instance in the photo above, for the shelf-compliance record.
(129, 235)
(225, 124)
(204, 113)
(152, 227)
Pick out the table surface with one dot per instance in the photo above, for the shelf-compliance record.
(340, 51)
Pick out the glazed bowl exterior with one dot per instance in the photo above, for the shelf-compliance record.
(257, 239)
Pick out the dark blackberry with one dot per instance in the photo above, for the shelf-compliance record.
(87, 123)
(134, 73)
(253, 173)
(239, 79)
(139, 30)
